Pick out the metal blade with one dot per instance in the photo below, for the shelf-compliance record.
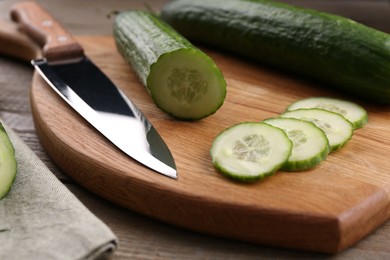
(88, 91)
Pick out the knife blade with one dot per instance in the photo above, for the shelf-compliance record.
(81, 84)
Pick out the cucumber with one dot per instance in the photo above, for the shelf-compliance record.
(182, 80)
(332, 49)
(353, 112)
(8, 165)
(310, 144)
(250, 151)
(337, 129)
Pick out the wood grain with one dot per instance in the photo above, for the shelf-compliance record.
(141, 237)
(326, 209)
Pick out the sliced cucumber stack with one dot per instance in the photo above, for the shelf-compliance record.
(353, 112)
(250, 151)
(8, 163)
(310, 144)
(338, 130)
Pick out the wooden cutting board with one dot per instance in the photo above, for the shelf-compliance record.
(326, 209)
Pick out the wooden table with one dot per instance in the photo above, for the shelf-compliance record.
(141, 237)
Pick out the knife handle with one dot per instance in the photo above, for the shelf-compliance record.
(57, 44)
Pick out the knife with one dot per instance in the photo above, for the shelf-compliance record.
(77, 80)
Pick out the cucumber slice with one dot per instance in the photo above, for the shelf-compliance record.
(182, 80)
(8, 163)
(338, 130)
(310, 144)
(355, 113)
(250, 151)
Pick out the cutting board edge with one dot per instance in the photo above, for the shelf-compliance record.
(336, 247)
(378, 205)
(332, 227)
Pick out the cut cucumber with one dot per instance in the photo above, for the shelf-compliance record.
(338, 130)
(182, 80)
(333, 49)
(356, 114)
(250, 151)
(8, 163)
(310, 144)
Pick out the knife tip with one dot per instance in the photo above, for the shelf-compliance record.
(172, 174)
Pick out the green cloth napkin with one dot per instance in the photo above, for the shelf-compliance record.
(41, 219)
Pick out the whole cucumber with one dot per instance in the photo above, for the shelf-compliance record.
(333, 49)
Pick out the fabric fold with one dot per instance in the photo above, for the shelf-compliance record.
(41, 219)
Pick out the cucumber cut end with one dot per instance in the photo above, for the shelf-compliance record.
(250, 151)
(8, 165)
(186, 84)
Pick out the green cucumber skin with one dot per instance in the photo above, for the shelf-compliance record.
(338, 51)
(143, 38)
(135, 34)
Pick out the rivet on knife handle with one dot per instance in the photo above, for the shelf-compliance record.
(40, 26)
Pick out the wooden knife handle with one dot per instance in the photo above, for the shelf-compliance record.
(57, 44)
